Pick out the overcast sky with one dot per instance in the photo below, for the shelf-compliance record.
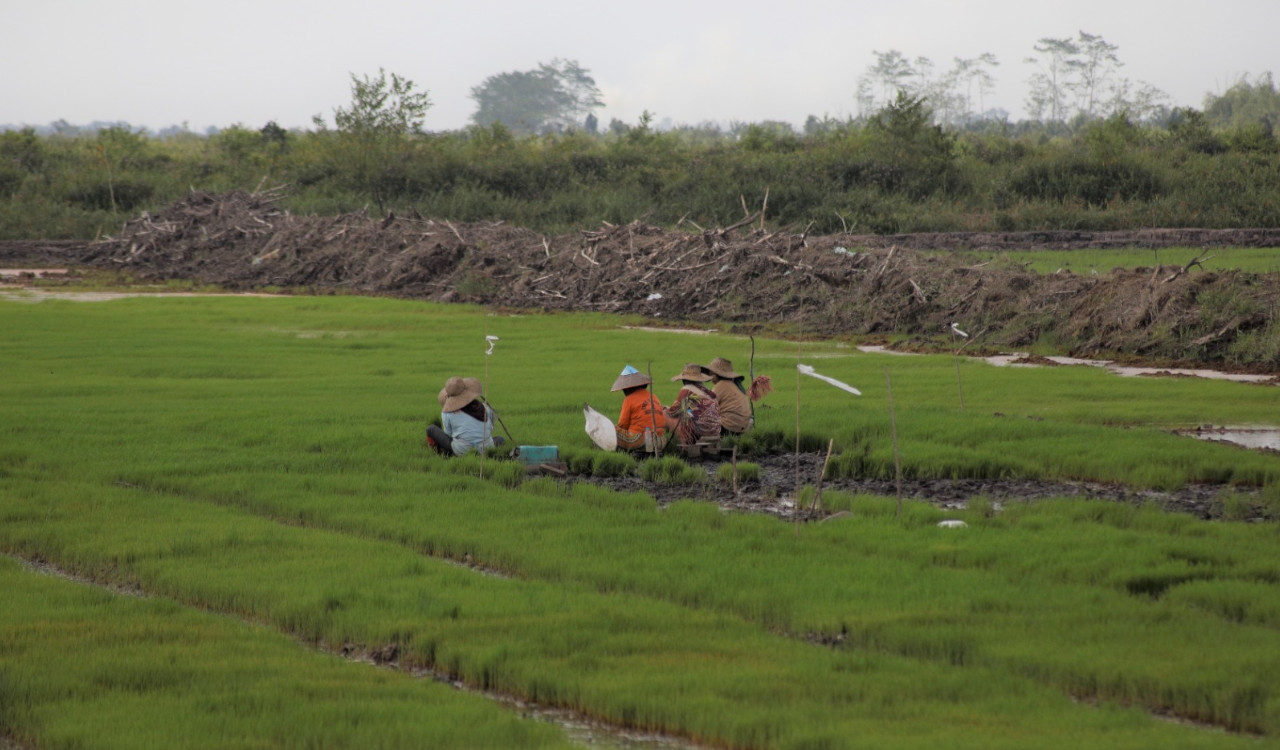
(247, 62)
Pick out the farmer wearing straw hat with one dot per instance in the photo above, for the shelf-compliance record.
(466, 422)
(641, 411)
(731, 396)
(694, 415)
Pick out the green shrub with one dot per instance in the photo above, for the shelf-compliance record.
(671, 470)
(505, 473)
(612, 465)
(579, 462)
(747, 472)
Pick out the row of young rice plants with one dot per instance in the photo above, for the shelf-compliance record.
(1088, 261)
(317, 434)
(85, 667)
(964, 418)
(635, 661)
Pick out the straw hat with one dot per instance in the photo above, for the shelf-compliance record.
(458, 392)
(692, 372)
(630, 378)
(722, 368)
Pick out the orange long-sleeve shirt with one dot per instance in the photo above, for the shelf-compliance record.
(638, 412)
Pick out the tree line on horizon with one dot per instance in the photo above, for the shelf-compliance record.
(899, 168)
(1076, 80)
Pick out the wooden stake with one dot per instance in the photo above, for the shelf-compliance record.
(485, 424)
(735, 472)
(653, 416)
(797, 462)
(817, 498)
(797, 502)
(893, 429)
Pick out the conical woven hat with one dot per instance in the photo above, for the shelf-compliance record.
(630, 378)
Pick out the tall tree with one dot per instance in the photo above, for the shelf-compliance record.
(1049, 86)
(374, 133)
(1077, 79)
(974, 73)
(878, 87)
(383, 107)
(948, 96)
(556, 95)
(1092, 68)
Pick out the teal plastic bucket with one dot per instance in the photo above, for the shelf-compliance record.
(539, 454)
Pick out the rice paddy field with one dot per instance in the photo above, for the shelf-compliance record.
(1086, 261)
(221, 528)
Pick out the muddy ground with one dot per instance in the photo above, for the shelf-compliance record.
(745, 278)
(775, 491)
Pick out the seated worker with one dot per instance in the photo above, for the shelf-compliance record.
(466, 422)
(731, 396)
(641, 411)
(694, 416)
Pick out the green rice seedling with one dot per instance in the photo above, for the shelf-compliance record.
(302, 502)
(612, 465)
(746, 471)
(506, 473)
(670, 470)
(545, 487)
(369, 592)
(102, 669)
(579, 462)
(1086, 262)
(1234, 506)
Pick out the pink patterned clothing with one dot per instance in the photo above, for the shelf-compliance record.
(696, 414)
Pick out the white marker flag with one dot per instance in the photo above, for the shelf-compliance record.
(807, 370)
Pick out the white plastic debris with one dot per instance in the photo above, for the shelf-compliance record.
(600, 429)
(952, 523)
(652, 297)
(808, 370)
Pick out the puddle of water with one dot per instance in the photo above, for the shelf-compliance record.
(1255, 437)
(883, 350)
(655, 329)
(1015, 359)
(1207, 374)
(29, 294)
(43, 273)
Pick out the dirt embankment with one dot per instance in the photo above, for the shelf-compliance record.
(744, 276)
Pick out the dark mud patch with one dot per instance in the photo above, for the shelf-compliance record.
(775, 492)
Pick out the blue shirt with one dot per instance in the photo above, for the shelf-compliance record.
(467, 431)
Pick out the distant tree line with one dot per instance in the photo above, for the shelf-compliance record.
(899, 168)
